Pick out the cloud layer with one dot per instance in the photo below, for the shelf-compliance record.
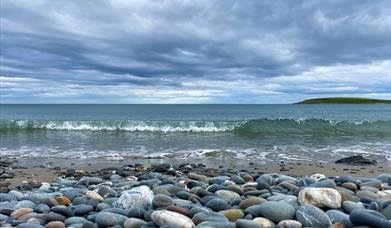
(193, 51)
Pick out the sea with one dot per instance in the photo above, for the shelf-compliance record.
(269, 133)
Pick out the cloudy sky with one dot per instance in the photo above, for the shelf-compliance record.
(201, 51)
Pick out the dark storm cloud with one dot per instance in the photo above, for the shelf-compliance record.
(193, 51)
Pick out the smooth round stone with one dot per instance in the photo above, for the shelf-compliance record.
(27, 216)
(67, 212)
(320, 197)
(55, 224)
(349, 206)
(216, 225)
(208, 216)
(63, 200)
(217, 204)
(251, 202)
(229, 196)
(39, 221)
(369, 188)
(25, 204)
(376, 183)
(108, 219)
(42, 208)
(286, 198)
(273, 210)
(345, 179)
(134, 223)
(289, 224)
(71, 193)
(365, 217)
(165, 217)
(74, 220)
(385, 178)
(102, 206)
(94, 195)
(87, 181)
(288, 185)
(348, 197)
(263, 185)
(51, 216)
(106, 191)
(136, 212)
(7, 197)
(387, 211)
(3, 217)
(18, 195)
(306, 182)
(367, 194)
(136, 197)
(243, 223)
(178, 209)
(237, 179)
(80, 200)
(116, 211)
(232, 214)
(161, 201)
(29, 225)
(350, 185)
(83, 209)
(318, 176)
(20, 212)
(326, 183)
(264, 222)
(339, 217)
(312, 216)
(267, 178)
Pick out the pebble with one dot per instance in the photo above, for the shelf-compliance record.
(160, 200)
(164, 217)
(289, 224)
(273, 210)
(136, 197)
(134, 223)
(232, 214)
(55, 224)
(320, 197)
(312, 216)
(264, 222)
(108, 219)
(94, 195)
(251, 202)
(217, 204)
(365, 217)
(20, 212)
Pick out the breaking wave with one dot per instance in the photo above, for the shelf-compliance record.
(245, 127)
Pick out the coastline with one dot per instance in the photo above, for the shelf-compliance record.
(49, 169)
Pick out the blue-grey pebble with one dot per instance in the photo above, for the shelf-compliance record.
(340, 217)
(312, 216)
(365, 217)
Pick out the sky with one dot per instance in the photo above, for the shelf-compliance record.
(198, 51)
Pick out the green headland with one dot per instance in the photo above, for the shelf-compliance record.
(344, 100)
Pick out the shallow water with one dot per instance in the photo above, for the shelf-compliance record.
(266, 132)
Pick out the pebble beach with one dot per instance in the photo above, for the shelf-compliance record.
(188, 194)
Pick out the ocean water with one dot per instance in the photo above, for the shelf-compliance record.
(305, 133)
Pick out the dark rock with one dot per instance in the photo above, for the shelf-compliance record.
(312, 216)
(365, 217)
(356, 160)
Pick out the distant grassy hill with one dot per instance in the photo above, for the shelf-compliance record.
(344, 100)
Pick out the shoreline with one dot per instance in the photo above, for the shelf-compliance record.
(49, 169)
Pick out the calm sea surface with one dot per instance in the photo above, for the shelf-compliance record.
(265, 132)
